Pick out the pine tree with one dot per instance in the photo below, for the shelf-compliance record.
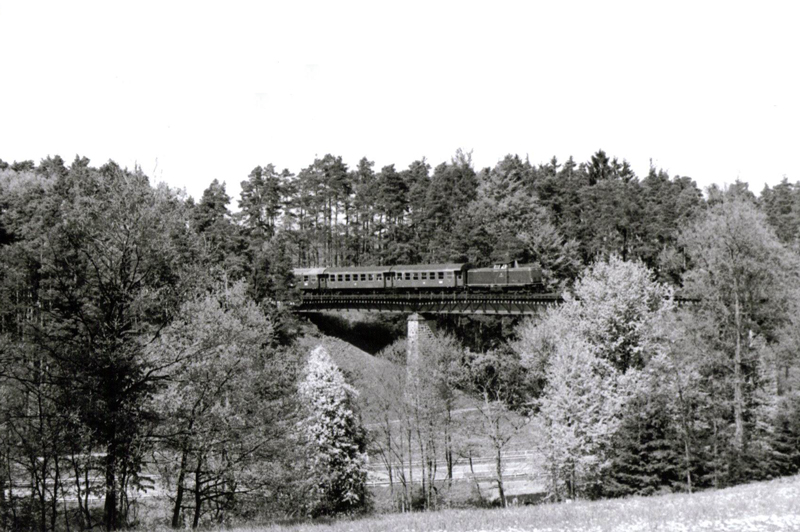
(221, 240)
(781, 206)
(261, 200)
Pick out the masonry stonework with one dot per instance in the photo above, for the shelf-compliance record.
(420, 330)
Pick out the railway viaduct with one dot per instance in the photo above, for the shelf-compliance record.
(420, 306)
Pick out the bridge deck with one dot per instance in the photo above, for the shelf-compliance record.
(439, 303)
(430, 303)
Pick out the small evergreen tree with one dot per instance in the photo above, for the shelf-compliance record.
(336, 441)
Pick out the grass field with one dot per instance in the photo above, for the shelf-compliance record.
(764, 506)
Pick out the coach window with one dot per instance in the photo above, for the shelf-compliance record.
(408, 276)
(416, 276)
(377, 277)
(369, 277)
(424, 276)
(441, 275)
(449, 275)
(305, 278)
(347, 277)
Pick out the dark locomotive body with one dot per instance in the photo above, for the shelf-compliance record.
(455, 277)
(504, 277)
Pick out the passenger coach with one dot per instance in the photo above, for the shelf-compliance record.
(419, 278)
(359, 278)
(429, 276)
(312, 279)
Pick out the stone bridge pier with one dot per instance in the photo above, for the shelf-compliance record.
(419, 329)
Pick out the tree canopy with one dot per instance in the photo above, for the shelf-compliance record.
(141, 331)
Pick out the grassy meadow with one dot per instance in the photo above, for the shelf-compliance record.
(763, 506)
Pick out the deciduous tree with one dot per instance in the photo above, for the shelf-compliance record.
(226, 408)
(743, 274)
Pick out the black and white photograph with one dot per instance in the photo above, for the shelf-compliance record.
(443, 266)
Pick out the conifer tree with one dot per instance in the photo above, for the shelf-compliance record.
(336, 441)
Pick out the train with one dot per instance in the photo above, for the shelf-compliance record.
(409, 278)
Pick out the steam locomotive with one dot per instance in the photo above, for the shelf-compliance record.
(419, 278)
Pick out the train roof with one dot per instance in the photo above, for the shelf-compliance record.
(495, 268)
(453, 266)
(308, 271)
(429, 267)
(359, 269)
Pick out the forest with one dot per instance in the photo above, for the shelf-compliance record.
(147, 342)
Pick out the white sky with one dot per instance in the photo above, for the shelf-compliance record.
(194, 91)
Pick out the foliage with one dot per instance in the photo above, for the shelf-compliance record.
(102, 247)
(225, 411)
(336, 442)
(578, 414)
(562, 216)
(619, 311)
(741, 271)
(646, 454)
(134, 320)
(745, 278)
(96, 264)
(430, 397)
(585, 360)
